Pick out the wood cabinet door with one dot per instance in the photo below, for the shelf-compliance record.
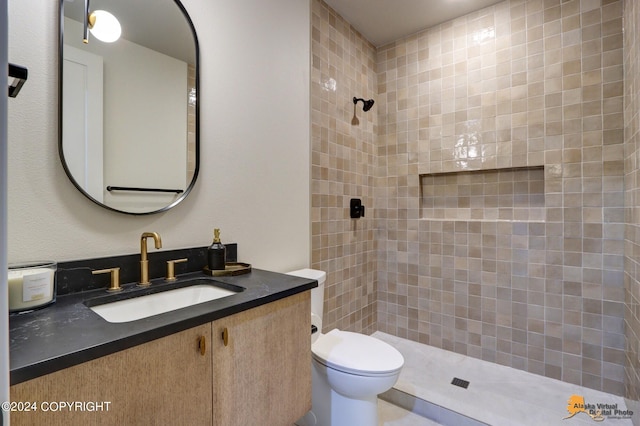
(163, 382)
(263, 374)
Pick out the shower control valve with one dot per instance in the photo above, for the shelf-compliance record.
(356, 209)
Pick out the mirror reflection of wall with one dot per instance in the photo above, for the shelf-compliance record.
(128, 117)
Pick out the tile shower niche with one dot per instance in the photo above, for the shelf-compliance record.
(503, 194)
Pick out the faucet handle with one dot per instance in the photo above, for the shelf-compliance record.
(115, 278)
(171, 275)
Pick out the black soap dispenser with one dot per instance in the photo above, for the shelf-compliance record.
(217, 253)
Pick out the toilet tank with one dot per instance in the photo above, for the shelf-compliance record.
(317, 294)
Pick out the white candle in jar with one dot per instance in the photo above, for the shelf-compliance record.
(30, 287)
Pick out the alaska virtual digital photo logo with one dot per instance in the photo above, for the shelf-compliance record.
(598, 411)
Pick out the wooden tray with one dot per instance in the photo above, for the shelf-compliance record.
(231, 268)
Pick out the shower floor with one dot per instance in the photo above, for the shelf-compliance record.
(496, 395)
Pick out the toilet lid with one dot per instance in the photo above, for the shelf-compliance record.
(356, 353)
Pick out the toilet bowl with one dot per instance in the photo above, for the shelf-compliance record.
(349, 370)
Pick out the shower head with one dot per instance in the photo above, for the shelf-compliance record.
(366, 104)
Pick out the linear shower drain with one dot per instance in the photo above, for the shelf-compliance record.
(460, 382)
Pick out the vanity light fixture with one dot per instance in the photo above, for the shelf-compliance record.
(103, 25)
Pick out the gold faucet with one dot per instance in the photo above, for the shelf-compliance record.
(144, 263)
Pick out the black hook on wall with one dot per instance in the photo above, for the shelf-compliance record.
(19, 76)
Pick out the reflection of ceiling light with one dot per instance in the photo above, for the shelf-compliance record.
(103, 25)
(329, 85)
(192, 96)
(483, 35)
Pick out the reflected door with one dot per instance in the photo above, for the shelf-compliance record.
(82, 119)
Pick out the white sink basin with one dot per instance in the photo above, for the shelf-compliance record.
(153, 304)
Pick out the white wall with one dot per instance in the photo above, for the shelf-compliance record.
(254, 179)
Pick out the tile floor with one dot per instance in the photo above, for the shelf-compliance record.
(497, 395)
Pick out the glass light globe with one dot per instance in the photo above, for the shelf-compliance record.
(104, 26)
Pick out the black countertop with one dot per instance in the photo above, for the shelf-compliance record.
(68, 333)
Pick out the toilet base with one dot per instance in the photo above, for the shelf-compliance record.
(349, 412)
(330, 408)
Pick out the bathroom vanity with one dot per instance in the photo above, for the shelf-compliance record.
(243, 359)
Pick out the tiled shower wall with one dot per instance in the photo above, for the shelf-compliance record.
(191, 123)
(632, 195)
(520, 84)
(343, 167)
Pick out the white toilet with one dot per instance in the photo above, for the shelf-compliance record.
(349, 369)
